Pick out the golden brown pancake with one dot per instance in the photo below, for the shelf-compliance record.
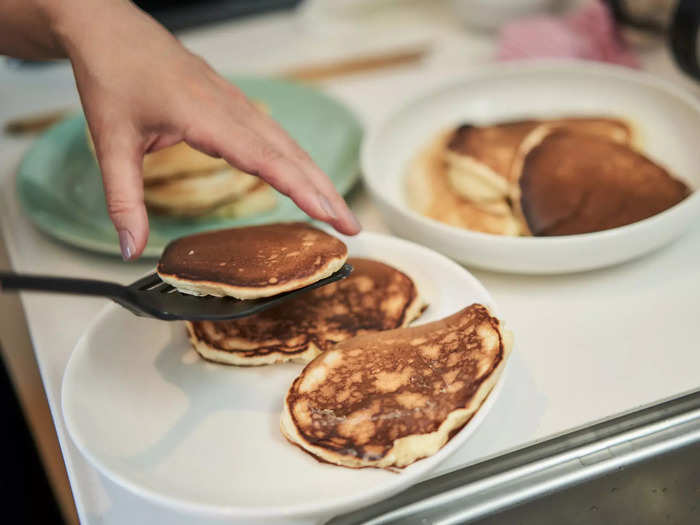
(389, 399)
(578, 183)
(482, 160)
(177, 161)
(261, 197)
(373, 298)
(614, 129)
(430, 193)
(199, 194)
(181, 160)
(174, 161)
(496, 145)
(251, 262)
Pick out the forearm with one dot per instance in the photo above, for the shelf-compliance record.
(25, 32)
(46, 29)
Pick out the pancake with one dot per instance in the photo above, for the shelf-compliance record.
(181, 160)
(429, 193)
(251, 262)
(177, 161)
(578, 183)
(481, 158)
(172, 162)
(388, 399)
(373, 298)
(197, 195)
(258, 199)
(614, 129)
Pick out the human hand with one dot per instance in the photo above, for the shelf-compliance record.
(142, 91)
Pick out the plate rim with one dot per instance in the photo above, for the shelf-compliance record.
(106, 247)
(328, 506)
(499, 70)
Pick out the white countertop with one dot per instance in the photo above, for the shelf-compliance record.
(588, 345)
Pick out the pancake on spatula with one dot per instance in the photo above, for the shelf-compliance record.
(389, 399)
(251, 262)
(578, 183)
(374, 297)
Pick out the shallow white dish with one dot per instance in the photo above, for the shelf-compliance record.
(204, 438)
(668, 124)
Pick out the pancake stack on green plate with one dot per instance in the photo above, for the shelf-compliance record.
(60, 187)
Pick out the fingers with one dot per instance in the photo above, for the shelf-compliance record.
(346, 221)
(241, 146)
(120, 160)
(316, 180)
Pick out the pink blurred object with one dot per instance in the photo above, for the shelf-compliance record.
(589, 34)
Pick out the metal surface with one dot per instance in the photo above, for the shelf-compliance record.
(663, 490)
(491, 486)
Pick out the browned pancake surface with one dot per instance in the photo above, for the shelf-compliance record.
(374, 297)
(254, 256)
(611, 128)
(395, 384)
(577, 183)
(496, 145)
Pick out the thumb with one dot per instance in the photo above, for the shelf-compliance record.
(120, 160)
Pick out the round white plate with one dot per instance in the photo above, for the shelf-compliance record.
(200, 437)
(667, 119)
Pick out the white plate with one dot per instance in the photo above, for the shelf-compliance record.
(155, 418)
(668, 120)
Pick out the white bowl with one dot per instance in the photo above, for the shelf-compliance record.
(667, 121)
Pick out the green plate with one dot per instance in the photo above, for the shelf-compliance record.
(60, 187)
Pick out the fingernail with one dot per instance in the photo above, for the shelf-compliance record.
(354, 221)
(126, 243)
(327, 207)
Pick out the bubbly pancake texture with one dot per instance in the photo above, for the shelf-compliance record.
(388, 399)
(373, 298)
(251, 262)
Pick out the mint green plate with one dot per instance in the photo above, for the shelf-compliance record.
(60, 187)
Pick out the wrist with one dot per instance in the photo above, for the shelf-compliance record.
(72, 22)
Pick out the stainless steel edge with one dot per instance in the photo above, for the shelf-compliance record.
(496, 484)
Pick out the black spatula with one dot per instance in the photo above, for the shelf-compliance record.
(151, 297)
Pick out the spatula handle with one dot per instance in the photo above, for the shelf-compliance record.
(42, 283)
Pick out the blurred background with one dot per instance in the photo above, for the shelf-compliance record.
(343, 46)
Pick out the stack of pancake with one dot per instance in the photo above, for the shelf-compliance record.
(182, 182)
(375, 392)
(540, 177)
(373, 298)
